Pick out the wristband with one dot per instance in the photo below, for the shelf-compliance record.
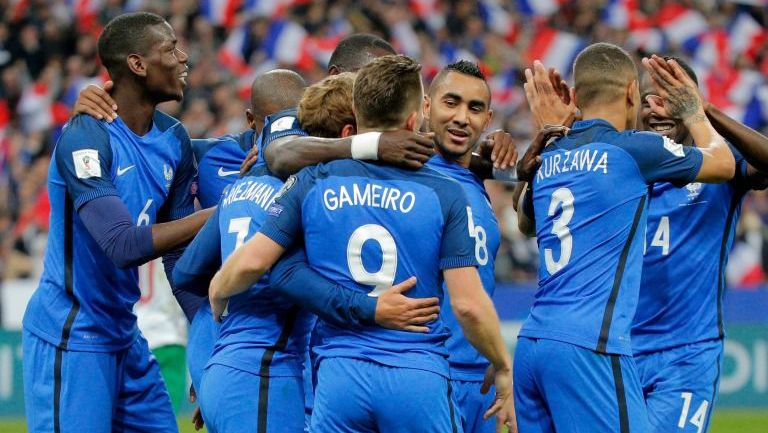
(366, 146)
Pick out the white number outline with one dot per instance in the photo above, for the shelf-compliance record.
(385, 276)
(481, 239)
(698, 418)
(564, 197)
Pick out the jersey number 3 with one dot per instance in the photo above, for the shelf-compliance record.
(561, 197)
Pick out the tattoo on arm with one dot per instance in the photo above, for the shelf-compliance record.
(682, 103)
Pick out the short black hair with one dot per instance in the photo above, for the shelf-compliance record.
(276, 90)
(461, 67)
(124, 35)
(357, 50)
(686, 67)
(601, 72)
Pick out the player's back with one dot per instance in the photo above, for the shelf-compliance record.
(590, 197)
(84, 300)
(259, 323)
(369, 226)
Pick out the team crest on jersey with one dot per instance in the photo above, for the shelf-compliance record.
(86, 163)
(168, 173)
(694, 189)
(282, 124)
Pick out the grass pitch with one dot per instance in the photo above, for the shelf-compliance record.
(723, 421)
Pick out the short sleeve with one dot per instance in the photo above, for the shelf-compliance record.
(662, 159)
(281, 124)
(181, 198)
(283, 223)
(84, 160)
(458, 247)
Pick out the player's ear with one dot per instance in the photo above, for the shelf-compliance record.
(427, 105)
(136, 65)
(348, 130)
(413, 121)
(333, 70)
(250, 119)
(489, 119)
(633, 93)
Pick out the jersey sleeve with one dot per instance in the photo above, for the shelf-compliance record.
(281, 124)
(458, 247)
(741, 179)
(84, 160)
(283, 223)
(181, 199)
(201, 259)
(662, 159)
(294, 278)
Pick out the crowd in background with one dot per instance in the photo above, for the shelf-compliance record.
(48, 54)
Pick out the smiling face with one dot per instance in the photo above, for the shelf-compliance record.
(458, 109)
(649, 121)
(166, 73)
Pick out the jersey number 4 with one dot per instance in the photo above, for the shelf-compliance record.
(561, 197)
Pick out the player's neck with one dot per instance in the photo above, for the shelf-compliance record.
(611, 113)
(462, 160)
(139, 117)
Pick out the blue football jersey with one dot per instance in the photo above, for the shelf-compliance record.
(465, 361)
(278, 125)
(262, 332)
(84, 301)
(590, 201)
(366, 227)
(690, 233)
(218, 163)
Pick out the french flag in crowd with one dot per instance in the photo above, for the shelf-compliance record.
(286, 43)
(321, 48)
(220, 12)
(504, 88)
(269, 8)
(712, 51)
(737, 93)
(682, 26)
(555, 49)
(232, 52)
(746, 36)
(86, 12)
(498, 19)
(539, 7)
(620, 14)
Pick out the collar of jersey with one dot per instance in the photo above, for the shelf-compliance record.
(440, 163)
(584, 124)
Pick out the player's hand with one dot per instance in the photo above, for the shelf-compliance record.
(197, 416)
(250, 159)
(503, 406)
(95, 101)
(406, 149)
(678, 95)
(531, 160)
(548, 96)
(499, 147)
(397, 311)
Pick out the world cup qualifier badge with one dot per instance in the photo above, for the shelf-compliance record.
(86, 163)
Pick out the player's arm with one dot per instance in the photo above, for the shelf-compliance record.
(679, 98)
(293, 277)
(752, 144)
(470, 303)
(407, 149)
(196, 267)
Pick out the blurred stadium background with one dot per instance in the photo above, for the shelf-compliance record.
(48, 53)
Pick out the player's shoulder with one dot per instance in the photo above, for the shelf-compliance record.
(166, 123)
(202, 146)
(81, 131)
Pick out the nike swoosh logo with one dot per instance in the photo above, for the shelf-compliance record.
(224, 173)
(121, 171)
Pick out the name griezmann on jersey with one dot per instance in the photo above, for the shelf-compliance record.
(578, 160)
(371, 195)
(260, 193)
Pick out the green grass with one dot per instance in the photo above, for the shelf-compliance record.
(725, 421)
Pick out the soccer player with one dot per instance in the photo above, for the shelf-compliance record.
(378, 379)
(573, 363)
(112, 186)
(677, 332)
(458, 110)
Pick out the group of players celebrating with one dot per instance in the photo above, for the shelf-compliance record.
(342, 282)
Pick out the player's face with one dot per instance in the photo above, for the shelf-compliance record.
(166, 65)
(459, 111)
(649, 121)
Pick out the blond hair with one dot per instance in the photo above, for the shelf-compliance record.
(326, 106)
